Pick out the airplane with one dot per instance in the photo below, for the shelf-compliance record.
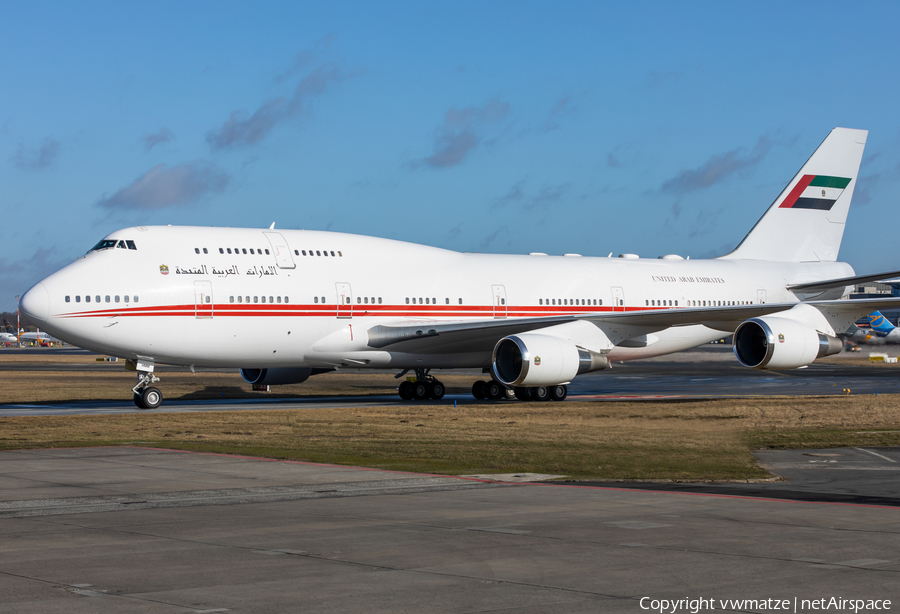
(285, 305)
(7, 337)
(37, 337)
(879, 330)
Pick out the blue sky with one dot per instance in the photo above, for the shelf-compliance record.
(584, 127)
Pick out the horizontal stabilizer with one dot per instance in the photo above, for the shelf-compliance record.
(827, 284)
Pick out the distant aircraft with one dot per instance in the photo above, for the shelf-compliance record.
(285, 305)
(879, 330)
(37, 337)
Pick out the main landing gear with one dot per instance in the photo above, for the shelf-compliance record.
(145, 395)
(425, 387)
(495, 391)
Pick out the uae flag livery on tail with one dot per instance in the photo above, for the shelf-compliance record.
(815, 192)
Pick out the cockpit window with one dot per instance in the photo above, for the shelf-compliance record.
(104, 244)
(118, 243)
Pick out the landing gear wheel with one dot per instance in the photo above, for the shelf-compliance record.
(494, 390)
(523, 394)
(420, 391)
(540, 394)
(139, 401)
(508, 393)
(559, 393)
(405, 391)
(151, 397)
(479, 390)
(436, 390)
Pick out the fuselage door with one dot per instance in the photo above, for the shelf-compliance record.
(203, 299)
(618, 296)
(499, 301)
(344, 300)
(761, 297)
(280, 249)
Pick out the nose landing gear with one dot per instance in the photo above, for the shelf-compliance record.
(145, 395)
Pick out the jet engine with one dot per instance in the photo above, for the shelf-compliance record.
(280, 375)
(772, 342)
(533, 359)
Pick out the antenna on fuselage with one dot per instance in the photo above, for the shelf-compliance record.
(272, 227)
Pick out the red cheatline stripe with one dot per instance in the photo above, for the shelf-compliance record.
(797, 191)
(400, 311)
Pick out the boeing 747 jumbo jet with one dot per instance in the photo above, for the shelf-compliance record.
(284, 305)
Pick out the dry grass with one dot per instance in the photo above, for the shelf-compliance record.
(691, 440)
(682, 440)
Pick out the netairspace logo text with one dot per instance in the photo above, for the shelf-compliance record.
(795, 605)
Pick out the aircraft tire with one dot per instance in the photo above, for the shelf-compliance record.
(436, 390)
(139, 401)
(508, 393)
(559, 392)
(494, 390)
(151, 397)
(540, 394)
(479, 390)
(420, 391)
(522, 393)
(405, 390)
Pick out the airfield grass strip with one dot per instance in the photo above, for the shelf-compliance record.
(675, 440)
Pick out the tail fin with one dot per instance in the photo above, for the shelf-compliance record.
(880, 324)
(806, 221)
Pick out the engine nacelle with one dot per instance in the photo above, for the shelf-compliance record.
(772, 342)
(532, 359)
(280, 375)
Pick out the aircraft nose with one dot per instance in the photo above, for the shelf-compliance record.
(35, 304)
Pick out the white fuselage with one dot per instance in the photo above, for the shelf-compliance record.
(181, 298)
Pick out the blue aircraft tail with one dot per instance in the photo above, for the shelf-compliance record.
(880, 325)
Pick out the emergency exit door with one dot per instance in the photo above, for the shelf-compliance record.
(280, 250)
(499, 300)
(344, 300)
(203, 299)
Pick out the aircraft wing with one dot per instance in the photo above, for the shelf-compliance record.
(827, 284)
(432, 336)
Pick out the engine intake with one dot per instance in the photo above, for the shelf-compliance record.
(532, 359)
(771, 342)
(280, 375)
